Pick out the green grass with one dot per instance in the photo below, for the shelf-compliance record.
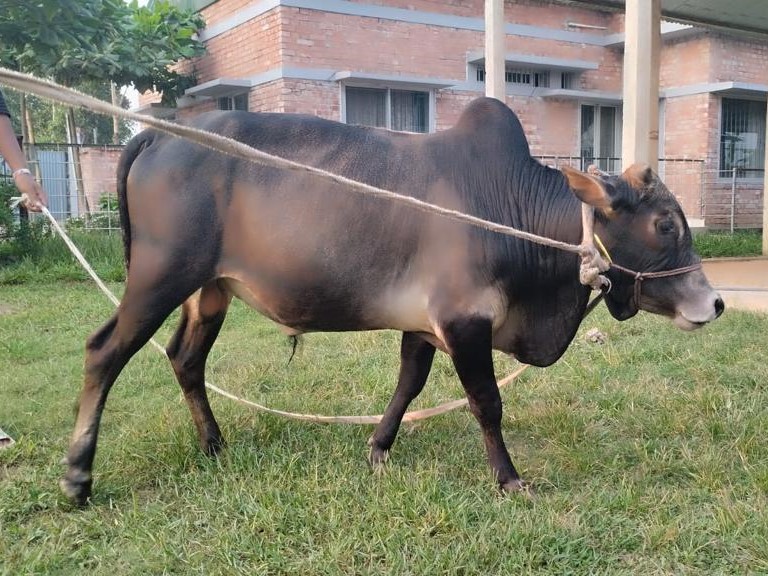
(724, 244)
(650, 454)
(49, 259)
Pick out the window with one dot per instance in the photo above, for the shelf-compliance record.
(601, 137)
(538, 78)
(517, 76)
(238, 102)
(401, 110)
(742, 138)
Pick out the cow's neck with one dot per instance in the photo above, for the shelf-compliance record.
(542, 203)
(539, 278)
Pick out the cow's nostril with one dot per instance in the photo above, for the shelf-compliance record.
(719, 307)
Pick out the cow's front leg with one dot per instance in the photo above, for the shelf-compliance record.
(469, 343)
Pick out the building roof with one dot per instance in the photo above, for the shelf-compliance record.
(743, 15)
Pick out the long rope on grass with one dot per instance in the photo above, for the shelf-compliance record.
(412, 416)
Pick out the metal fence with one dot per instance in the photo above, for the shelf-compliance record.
(710, 197)
(80, 183)
(733, 199)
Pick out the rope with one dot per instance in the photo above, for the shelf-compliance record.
(592, 262)
(70, 97)
(412, 416)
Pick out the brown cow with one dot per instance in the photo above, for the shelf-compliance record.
(201, 227)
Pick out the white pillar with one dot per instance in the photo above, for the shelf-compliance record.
(495, 86)
(642, 42)
(765, 189)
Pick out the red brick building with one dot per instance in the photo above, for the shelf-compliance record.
(414, 64)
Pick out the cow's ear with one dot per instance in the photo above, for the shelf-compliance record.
(589, 189)
(639, 176)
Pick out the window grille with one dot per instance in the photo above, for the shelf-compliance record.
(518, 76)
(742, 138)
(539, 78)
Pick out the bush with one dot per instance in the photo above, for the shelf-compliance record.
(31, 252)
(106, 217)
(19, 238)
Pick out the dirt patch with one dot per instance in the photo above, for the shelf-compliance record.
(6, 309)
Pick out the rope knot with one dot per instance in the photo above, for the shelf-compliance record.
(592, 267)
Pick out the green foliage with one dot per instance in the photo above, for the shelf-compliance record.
(19, 239)
(49, 119)
(7, 221)
(46, 259)
(76, 40)
(106, 217)
(31, 252)
(162, 36)
(725, 244)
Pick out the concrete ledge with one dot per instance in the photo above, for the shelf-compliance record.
(742, 282)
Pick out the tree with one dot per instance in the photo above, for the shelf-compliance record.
(48, 120)
(71, 41)
(76, 42)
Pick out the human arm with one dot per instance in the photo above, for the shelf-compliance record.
(22, 177)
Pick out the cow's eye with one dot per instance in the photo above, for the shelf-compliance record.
(666, 226)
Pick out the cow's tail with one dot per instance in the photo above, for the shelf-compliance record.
(129, 155)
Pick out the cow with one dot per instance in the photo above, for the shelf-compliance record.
(200, 227)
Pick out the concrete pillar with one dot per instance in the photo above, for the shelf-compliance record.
(495, 50)
(642, 43)
(765, 189)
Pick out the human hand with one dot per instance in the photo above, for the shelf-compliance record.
(33, 195)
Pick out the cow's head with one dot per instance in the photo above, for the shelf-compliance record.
(644, 230)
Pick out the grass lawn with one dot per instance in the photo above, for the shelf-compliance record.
(650, 454)
(722, 244)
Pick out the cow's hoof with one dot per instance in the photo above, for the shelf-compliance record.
(212, 446)
(378, 456)
(517, 486)
(79, 490)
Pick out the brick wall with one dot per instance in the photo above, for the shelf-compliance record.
(249, 49)
(98, 167)
(687, 125)
(685, 61)
(305, 39)
(739, 59)
(748, 208)
(311, 39)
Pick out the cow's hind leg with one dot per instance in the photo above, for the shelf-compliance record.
(470, 344)
(107, 351)
(201, 318)
(416, 357)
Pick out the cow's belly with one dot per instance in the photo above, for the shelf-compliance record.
(330, 307)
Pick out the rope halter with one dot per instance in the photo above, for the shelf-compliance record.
(640, 276)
